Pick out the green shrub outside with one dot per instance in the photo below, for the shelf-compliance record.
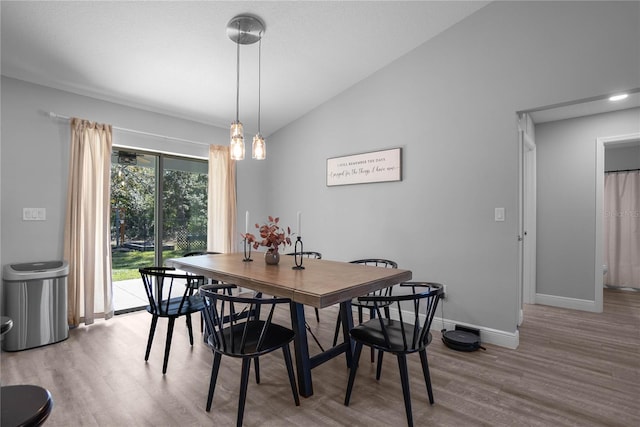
(124, 265)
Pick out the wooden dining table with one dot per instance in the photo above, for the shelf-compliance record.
(322, 283)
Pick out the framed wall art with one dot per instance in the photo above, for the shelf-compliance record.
(364, 168)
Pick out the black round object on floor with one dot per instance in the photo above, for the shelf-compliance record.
(461, 340)
(24, 405)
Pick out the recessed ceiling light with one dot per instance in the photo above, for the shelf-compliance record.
(618, 97)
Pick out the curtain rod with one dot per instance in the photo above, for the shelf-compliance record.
(623, 170)
(137, 132)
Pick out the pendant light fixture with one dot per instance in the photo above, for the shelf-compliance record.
(237, 137)
(242, 29)
(258, 148)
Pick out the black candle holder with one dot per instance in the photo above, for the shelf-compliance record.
(298, 255)
(247, 253)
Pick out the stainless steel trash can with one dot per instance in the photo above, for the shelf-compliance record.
(35, 298)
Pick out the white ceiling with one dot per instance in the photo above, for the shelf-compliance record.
(175, 57)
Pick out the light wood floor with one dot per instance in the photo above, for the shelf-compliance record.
(571, 369)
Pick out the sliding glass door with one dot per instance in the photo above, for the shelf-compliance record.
(158, 211)
(184, 206)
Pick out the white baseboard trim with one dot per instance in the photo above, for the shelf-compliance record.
(487, 335)
(564, 302)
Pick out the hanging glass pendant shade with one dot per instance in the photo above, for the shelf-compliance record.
(237, 141)
(259, 149)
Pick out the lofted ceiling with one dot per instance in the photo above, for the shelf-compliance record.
(175, 57)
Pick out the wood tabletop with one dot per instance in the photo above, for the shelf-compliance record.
(321, 284)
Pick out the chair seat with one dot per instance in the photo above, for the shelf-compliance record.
(25, 405)
(370, 333)
(275, 336)
(192, 304)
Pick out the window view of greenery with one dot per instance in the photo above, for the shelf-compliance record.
(133, 225)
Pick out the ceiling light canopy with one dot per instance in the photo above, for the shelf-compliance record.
(245, 29)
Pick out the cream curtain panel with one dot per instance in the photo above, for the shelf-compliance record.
(221, 223)
(86, 233)
(622, 228)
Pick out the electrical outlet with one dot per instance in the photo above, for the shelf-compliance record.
(444, 288)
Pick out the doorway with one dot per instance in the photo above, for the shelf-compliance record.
(602, 144)
(158, 211)
(572, 297)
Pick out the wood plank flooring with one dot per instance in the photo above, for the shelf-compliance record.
(572, 369)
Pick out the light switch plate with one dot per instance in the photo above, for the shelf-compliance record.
(499, 214)
(34, 214)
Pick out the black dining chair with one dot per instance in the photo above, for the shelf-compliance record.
(196, 284)
(399, 336)
(235, 328)
(162, 284)
(357, 302)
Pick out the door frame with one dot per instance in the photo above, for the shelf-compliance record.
(527, 215)
(601, 142)
(529, 220)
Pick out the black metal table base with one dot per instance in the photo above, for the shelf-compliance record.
(305, 362)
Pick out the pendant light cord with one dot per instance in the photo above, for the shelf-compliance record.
(259, 77)
(238, 75)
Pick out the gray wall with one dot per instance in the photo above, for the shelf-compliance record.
(566, 159)
(622, 158)
(450, 104)
(35, 158)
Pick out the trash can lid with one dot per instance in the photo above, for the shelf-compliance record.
(32, 266)
(35, 270)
